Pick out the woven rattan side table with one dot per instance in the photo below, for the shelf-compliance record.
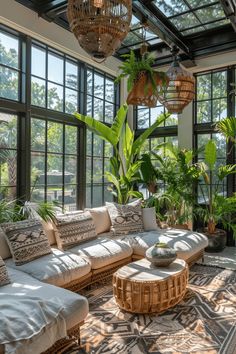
(140, 287)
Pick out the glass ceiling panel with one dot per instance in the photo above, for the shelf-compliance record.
(197, 3)
(193, 30)
(210, 13)
(217, 24)
(185, 21)
(171, 7)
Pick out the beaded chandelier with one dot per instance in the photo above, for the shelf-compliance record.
(100, 25)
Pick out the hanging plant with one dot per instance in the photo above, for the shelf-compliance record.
(143, 82)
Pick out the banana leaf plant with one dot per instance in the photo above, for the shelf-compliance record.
(125, 163)
(227, 127)
(217, 208)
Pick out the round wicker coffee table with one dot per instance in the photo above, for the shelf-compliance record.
(140, 287)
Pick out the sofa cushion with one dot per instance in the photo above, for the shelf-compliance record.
(103, 252)
(4, 278)
(101, 219)
(49, 231)
(58, 268)
(127, 218)
(72, 229)
(27, 240)
(4, 248)
(186, 243)
(149, 219)
(75, 307)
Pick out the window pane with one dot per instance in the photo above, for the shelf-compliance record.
(204, 87)
(55, 137)
(55, 97)
(9, 83)
(71, 75)
(55, 69)
(70, 198)
(143, 118)
(97, 196)
(9, 50)
(204, 112)
(97, 146)
(37, 169)
(89, 82)
(219, 84)
(109, 90)
(54, 168)
(98, 109)
(70, 174)
(38, 92)
(38, 64)
(219, 109)
(109, 113)
(98, 86)
(38, 134)
(71, 139)
(8, 156)
(71, 103)
(155, 113)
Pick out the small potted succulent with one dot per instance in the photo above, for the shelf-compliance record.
(143, 82)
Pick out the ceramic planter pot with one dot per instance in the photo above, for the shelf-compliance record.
(161, 255)
(216, 240)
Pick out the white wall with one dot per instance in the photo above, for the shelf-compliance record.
(22, 19)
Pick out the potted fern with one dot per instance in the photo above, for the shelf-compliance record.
(143, 82)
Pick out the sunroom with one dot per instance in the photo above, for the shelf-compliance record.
(117, 176)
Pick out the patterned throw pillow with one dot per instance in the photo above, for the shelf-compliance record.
(70, 230)
(4, 278)
(27, 240)
(127, 218)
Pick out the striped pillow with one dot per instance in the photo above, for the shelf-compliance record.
(27, 240)
(127, 218)
(4, 278)
(70, 230)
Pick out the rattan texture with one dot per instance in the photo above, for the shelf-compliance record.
(151, 296)
(100, 25)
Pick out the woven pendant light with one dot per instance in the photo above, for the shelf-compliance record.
(100, 25)
(181, 89)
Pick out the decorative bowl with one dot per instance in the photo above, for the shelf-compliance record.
(161, 255)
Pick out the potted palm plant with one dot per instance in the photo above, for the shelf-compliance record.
(214, 207)
(143, 82)
(125, 163)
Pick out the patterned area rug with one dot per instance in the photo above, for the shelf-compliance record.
(204, 322)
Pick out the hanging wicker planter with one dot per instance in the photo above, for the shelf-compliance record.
(143, 92)
(100, 25)
(180, 91)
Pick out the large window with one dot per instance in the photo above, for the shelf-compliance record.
(10, 67)
(214, 101)
(211, 97)
(54, 162)
(8, 155)
(102, 99)
(54, 80)
(37, 105)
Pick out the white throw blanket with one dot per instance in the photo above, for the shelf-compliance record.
(25, 320)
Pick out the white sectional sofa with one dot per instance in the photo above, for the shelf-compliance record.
(91, 261)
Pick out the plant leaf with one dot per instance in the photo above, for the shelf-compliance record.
(210, 154)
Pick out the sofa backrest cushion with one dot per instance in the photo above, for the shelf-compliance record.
(149, 219)
(4, 277)
(127, 218)
(4, 248)
(101, 219)
(73, 229)
(27, 240)
(49, 231)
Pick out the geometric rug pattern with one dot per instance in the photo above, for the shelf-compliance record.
(203, 322)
